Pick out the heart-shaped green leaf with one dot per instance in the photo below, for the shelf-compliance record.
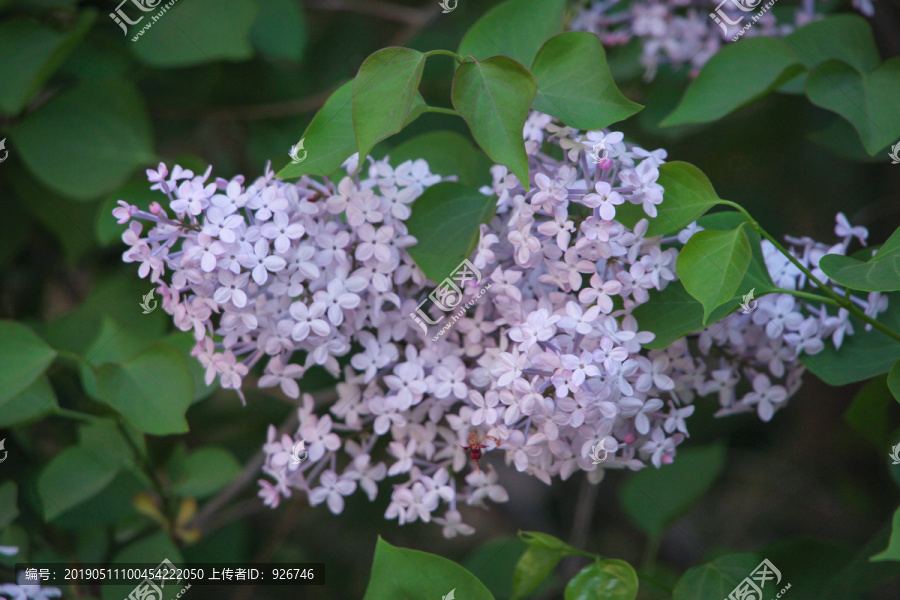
(716, 579)
(868, 101)
(39, 51)
(843, 37)
(655, 498)
(608, 579)
(445, 220)
(23, 358)
(892, 552)
(73, 476)
(737, 75)
(862, 355)
(575, 84)
(194, 33)
(101, 133)
(881, 273)
(516, 28)
(330, 139)
(383, 94)
(404, 574)
(494, 97)
(447, 153)
(152, 390)
(711, 266)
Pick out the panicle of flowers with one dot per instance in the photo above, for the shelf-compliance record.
(763, 345)
(678, 32)
(548, 360)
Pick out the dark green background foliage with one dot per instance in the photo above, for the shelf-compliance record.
(234, 83)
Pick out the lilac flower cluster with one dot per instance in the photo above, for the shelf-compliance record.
(680, 32)
(548, 362)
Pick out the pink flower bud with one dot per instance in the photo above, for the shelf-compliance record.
(605, 163)
(155, 208)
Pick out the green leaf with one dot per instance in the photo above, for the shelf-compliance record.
(194, 33)
(735, 76)
(279, 32)
(869, 413)
(892, 552)
(34, 403)
(843, 37)
(863, 355)
(184, 342)
(23, 358)
(575, 84)
(447, 153)
(545, 541)
(383, 94)
(867, 100)
(494, 97)
(74, 475)
(715, 579)
(329, 139)
(152, 390)
(688, 195)
(673, 313)
(539, 559)
(68, 220)
(38, 52)
(206, 471)
(516, 28)
(654, 498)
(712, 265)
(9, 509)
(116, 297)
(445, 220)
(152, 550)
(881, 273)
(404, 574)
(494, 562)
(114, 343)
(893, 380)
(110, 447)
(100, 133)
(607, 579)
(873, 276)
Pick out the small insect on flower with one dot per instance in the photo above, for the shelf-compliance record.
(476, 445)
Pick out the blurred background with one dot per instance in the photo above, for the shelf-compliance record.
(233, 84)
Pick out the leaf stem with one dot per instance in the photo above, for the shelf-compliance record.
(454, 55)
(440, 110)
(834, 298)
(76, 415)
